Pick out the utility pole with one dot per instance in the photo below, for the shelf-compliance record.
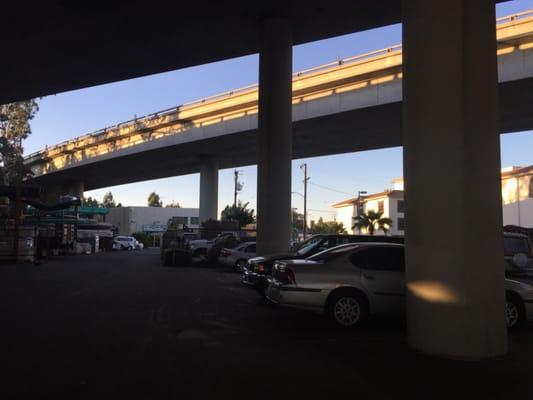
(237, 188)
(306, 178)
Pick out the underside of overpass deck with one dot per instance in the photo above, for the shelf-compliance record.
(450, 125)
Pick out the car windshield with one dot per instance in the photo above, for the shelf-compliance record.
(333, 252)
(308, 245)
(514, 245)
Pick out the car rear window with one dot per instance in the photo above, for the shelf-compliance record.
(515, 245)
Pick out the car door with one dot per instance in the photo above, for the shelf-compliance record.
(250, 250)
(383, 277)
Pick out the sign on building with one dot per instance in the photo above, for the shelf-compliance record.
(154, 227)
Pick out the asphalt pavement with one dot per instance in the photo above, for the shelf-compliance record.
(119, 325)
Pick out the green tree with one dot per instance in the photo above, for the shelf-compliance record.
(326, 227)
(297, 220)
(372, 221)
(90, 202)
(109, 201)
(14, 128)
(239, 212)
(173, 204)
(154, 200)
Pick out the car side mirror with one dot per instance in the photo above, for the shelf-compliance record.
(520, 260)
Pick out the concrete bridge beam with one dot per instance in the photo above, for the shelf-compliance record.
(208, 190)
(52, 194)
(454, 250)
(274, 138)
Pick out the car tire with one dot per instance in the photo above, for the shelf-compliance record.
(515, 312)
(239, 265)
(347, 309)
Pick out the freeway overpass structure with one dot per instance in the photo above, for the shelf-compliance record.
(445, 98)
(348, 105)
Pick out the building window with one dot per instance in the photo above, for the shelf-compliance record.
(531, 187)
(181, 220)
(195, 220)
(401, 224)
(381, 206)
(400, 206)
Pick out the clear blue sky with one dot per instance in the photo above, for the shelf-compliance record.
(71, 114)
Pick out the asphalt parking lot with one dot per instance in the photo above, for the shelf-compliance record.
(119, 325)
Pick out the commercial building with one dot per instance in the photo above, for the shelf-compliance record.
(129, 220)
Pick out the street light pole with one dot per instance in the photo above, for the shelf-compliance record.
(359, 193)
(304, 167)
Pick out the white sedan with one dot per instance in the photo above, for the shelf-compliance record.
(352, 281)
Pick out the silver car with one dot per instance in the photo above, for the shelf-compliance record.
(237, 257)
(349, 282)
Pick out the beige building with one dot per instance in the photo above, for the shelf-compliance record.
(517, 202)
(517, 196)
(389, 202)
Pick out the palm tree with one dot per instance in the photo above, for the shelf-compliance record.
(372, 220)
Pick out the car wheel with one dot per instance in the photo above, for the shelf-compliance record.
(514, 311)
(240, 265)
(347, 309)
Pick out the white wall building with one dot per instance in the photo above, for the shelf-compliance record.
(517, 196)
(517, 202)
(129, 220)
(389, 202)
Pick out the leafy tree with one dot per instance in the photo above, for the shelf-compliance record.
(238, 212)
(326, 227)
(372, 221)
(297, 221)
(173, 204)
(90, 202)
(154, 200)
(14, 128)
(109, 201)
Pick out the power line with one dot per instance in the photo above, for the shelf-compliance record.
(328, 188)
(327, 211)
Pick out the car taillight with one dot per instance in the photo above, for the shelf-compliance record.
(224, 253)
(285, 274)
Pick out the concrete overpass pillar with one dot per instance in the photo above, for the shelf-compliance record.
(208, 190)
(52, 194)
(275, 138)
(454, 250)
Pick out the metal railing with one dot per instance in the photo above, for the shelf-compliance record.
(99, 135)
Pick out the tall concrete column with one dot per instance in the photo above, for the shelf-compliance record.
(275, 138)
(208, 190)
(76, 189)
(454, 250)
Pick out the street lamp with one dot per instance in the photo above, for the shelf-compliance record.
(359, 205)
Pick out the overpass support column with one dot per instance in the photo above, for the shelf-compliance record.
(275, 138)
(208, 190)
(454, 250)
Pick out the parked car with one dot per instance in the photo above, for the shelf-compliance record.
(259, 267)
(200, 247)
(517, 243)
(237, 257)
(126, 243)
(350, 282)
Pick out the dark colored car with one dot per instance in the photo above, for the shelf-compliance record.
(258, 268)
